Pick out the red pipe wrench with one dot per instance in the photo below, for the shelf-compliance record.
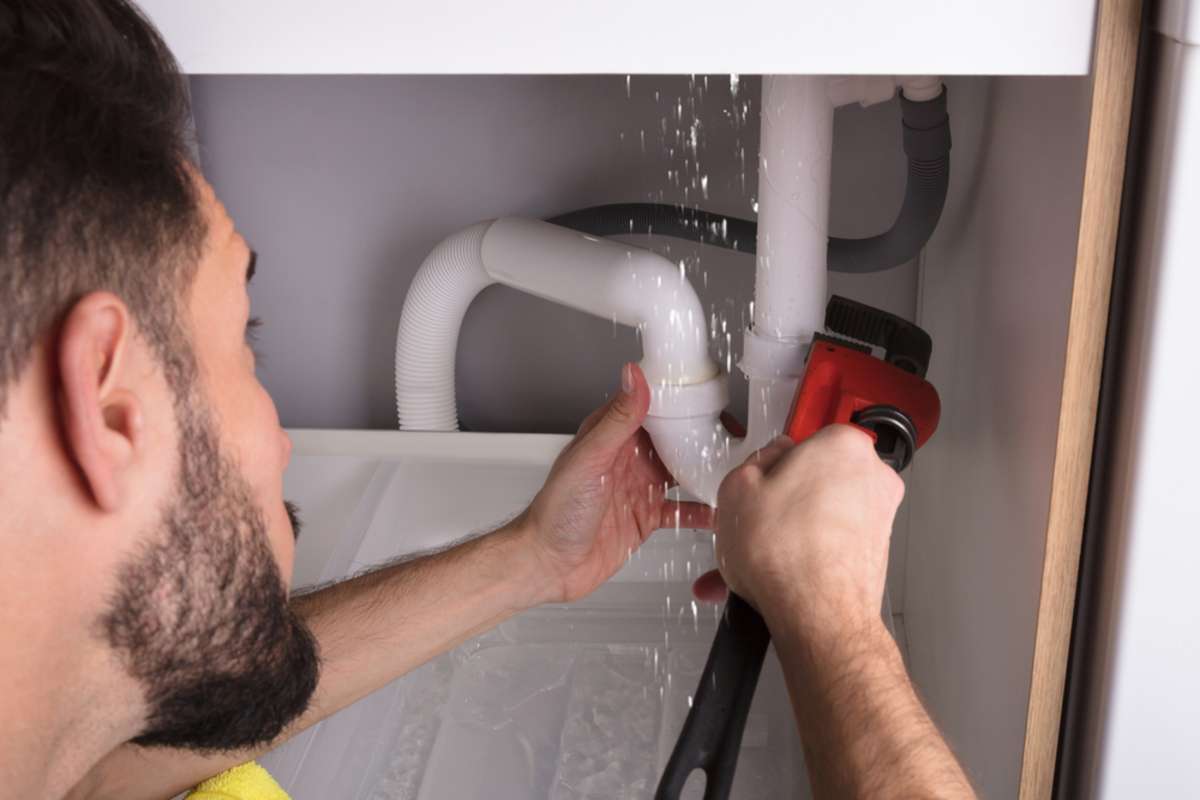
(868, 371)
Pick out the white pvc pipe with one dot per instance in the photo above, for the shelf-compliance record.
(614, 281)
(638, 288)
(625, 284)
(793, 207)
(867, 90)
(699, 452)
(920, 88)
(789, 289)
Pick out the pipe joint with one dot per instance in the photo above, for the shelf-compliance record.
(926, 127)
(678, 401)
(866, 90)
(772, 358)
(919, 87)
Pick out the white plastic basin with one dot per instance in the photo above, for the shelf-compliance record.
(573, 701)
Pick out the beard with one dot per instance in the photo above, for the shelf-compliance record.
(201, 617)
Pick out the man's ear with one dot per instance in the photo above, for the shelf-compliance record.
(101, 416)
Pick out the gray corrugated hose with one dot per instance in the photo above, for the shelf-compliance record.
(926, 129)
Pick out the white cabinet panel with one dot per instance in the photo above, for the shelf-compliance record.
(1146, 744)
(629, 36)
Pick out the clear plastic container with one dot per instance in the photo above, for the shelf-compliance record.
(564, 702)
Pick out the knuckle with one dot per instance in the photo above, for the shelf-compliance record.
(620, 411)
(741, 477)
(780, 442)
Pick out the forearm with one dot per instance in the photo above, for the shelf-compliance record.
(384, 624)
(371, 630)
(865, 731)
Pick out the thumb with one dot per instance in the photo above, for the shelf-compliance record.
(624, 413)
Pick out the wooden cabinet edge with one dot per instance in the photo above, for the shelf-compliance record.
(1114, 58)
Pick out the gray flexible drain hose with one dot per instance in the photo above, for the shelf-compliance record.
(927, 145)
(926, 127)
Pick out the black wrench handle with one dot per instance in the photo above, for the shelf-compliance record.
(712, 732)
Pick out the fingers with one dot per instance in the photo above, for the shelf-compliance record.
(609, 428)
(766, 458)
(686, 515)
(746, 480)
(710, 588)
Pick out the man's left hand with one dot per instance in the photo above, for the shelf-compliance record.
(605, 494)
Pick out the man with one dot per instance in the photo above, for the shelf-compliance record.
(146, 636)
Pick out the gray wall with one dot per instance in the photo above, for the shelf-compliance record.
(996, 293)
(343, 184)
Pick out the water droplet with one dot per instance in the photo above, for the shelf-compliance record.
(628, 93)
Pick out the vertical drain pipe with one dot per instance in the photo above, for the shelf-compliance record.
(794, 162)
(790, 285)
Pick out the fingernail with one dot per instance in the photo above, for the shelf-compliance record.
(627, 379)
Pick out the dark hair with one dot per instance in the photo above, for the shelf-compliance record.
(95, 187)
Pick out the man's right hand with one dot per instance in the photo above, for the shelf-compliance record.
(803, 530)
(803, 533)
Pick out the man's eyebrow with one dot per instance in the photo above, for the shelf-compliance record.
(251, 266)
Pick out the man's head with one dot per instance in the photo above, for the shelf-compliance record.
(141, 461)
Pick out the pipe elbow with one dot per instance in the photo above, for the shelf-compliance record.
(604, 278)
(697, 451)
(610, 280)
(665, 308)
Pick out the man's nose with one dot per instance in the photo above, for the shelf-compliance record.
(287, 448)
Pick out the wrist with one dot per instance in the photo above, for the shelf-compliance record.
(823, 624)
(825, 653)
(524, 571)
